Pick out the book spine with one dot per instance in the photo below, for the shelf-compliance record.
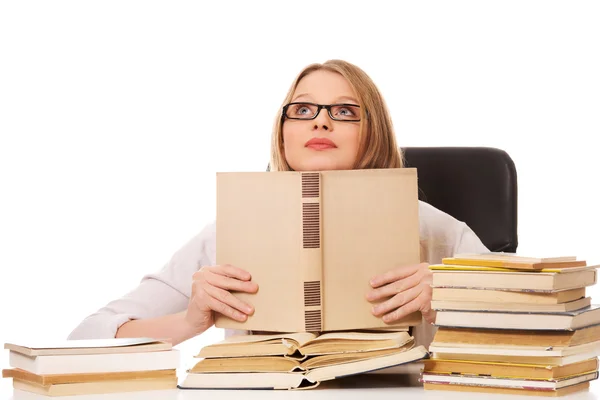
(311, 255)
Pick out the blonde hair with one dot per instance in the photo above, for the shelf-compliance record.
(377, 148)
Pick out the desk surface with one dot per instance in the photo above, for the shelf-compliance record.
(372, 387)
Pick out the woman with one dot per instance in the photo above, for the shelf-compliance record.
(333, 117)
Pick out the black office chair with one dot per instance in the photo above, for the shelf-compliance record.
(476, 185)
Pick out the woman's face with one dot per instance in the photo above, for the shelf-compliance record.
(322, 143)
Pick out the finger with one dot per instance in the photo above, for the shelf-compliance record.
(222, 308)
(228, 299)
(394, 275)
(231, 271)
(227, 283)
(429, 316)
(426, 310)
(397, 301)
(406, 309)
(393, 288)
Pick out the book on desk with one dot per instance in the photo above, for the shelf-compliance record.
(78, 367)
(513, 325)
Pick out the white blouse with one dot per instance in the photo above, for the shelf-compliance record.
(168, 291)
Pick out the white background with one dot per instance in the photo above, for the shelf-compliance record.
(115, 116)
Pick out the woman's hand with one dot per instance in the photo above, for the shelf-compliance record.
(211, 288)
(408, 289)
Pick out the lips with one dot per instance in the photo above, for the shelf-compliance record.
(320, 144)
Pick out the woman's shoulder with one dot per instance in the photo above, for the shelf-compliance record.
(435, 221)
(199, 250)
(442, 235)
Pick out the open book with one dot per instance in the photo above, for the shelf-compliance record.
(313, 240)
(303, 344)
(298, 360)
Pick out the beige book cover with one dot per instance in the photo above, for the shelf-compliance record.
(86, 388)
(570, 320)
(95, 363)
(589, 350)
(506, 296)
(461, 277)
(313, 240)
(508, 383)
(55, 379)
(491, 369)
(524, 391)
(519, 337)
(508, 307)
(502, 359)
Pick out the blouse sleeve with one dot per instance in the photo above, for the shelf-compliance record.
(161, 293)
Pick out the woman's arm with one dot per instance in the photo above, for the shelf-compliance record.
(173, 327)
(211, 288)
(177, 303)
(154, 298)
(159, 295)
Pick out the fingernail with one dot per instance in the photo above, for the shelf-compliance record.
(249, 310)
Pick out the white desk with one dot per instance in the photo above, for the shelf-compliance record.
(352, 388)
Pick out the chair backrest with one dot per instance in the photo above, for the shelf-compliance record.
(476, 185)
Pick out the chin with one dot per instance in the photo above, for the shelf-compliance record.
(320, 164)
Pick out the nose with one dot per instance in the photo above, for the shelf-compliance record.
(323, 121)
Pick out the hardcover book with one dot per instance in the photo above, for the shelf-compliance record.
(313, 240)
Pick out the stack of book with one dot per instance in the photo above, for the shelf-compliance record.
(512, 324)
(78, 367)
(297, 360)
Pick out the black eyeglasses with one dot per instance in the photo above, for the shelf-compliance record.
(307, 111)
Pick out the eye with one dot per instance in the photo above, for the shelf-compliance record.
(346, 111)
(301, 110)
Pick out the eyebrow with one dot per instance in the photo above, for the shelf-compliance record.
(337, 100)
(347, 98)
(301, 95)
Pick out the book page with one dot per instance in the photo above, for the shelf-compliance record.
(299, 337)
(363, 336)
